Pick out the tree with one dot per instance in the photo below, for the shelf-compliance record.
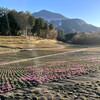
(38, 27)
(31, 21)
(14, 26)
(60, 35)
(3, 25)
(51, 27)
(4, 28)
(46, 30)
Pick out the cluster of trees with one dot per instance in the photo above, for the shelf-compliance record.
(82, 38)
(14, 23)
(86, 38)
(20, 23)
(79, 37)
(43, 29)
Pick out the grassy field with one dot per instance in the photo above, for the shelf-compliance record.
(68, 76)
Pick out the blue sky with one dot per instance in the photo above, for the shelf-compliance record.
(88, 10)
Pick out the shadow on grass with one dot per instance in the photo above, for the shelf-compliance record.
(10, 47)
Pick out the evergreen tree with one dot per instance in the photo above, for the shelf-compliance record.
(38, 27)
(60, 35)
(51, 27)
(46, 30)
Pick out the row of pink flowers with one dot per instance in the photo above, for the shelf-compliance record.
(47, 74)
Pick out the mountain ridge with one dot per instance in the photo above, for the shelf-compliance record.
(48, 15)
(69, 25)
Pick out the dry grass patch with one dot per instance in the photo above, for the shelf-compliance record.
(93, 49)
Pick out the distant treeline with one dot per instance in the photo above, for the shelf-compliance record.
(82, 38)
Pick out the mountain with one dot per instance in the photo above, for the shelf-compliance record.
(69, 25)
(77, 25)
(47, 15)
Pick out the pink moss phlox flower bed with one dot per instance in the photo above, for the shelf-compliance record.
(15, 77)
(51, 73)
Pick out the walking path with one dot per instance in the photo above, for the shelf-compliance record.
(23, 60)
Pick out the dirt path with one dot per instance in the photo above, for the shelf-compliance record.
(23, 60)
